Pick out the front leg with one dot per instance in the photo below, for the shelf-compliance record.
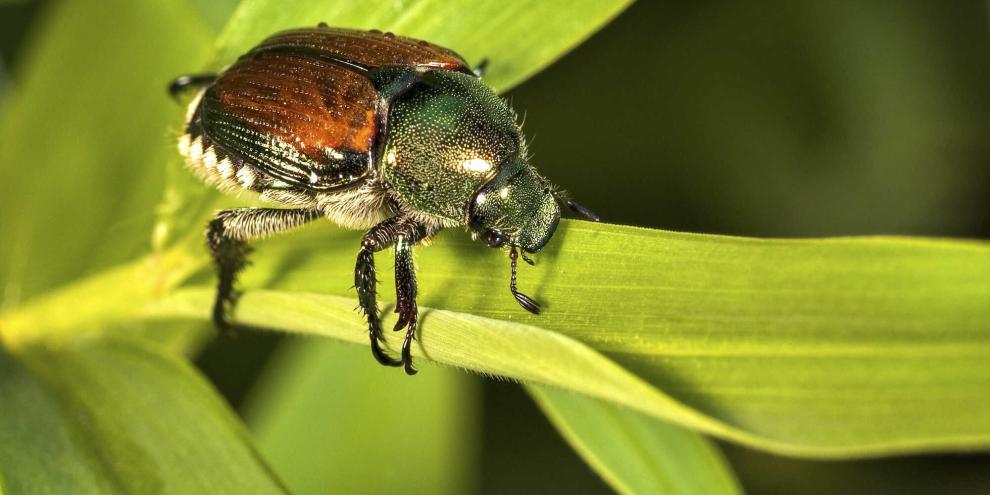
(403, 232)
(405, 295)
(365, 283)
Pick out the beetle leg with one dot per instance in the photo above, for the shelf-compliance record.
(365, 282)
(378, 238)
(182, 83)
(227, 236)
(405, 293)
(525, 301)
(565, 198)
(402, 232)
(482, 67)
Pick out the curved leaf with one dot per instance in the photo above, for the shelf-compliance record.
(833, 347)
(825, 347)
(116, 417)
(635, 453)
(322, 410)
(83, 138)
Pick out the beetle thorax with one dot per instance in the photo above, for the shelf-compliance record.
(448, 135)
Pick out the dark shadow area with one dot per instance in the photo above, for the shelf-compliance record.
(523, 453)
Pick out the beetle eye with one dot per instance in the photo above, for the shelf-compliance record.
(496, 238)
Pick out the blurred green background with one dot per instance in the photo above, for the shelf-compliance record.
(782, 118)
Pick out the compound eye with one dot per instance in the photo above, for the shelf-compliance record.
(496, 238)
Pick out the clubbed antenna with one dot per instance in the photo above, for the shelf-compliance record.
(525, 301)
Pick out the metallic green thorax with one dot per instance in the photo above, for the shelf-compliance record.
(447, 136)
(454, 152)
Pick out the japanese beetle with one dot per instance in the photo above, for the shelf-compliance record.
(373, 131)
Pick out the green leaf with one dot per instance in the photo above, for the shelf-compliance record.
(216, 13)
(635, 453)
(115, 417)
(324, 414)
(84, 138)
(832, 347)
(514, 34)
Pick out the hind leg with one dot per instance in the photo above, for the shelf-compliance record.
(227, 237)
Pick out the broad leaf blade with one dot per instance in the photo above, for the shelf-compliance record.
(327, 416)
(36, 444)
(835, 347)
(634, 453)
(116, 417)
(84, 138)
(516, 35)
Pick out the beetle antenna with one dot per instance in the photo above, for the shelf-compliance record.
(565, 198)
(527, 259)
(525, 301)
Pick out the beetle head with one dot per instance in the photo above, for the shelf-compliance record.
(516, 208)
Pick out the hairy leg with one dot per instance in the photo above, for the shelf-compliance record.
(227, 236)
(405, 296)
(525, 301)
(402, 232)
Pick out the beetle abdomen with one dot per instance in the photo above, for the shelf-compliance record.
(356, 207)
(217, 167)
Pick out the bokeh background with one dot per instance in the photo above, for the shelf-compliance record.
(778, 118)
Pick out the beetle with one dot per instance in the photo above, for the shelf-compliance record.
(372, 131)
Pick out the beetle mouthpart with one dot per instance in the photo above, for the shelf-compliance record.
(525, 301)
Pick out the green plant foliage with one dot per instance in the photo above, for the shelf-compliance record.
(833, 347)
(87, 121)
(84, 138)
(327, 416)
(215, 13)
(634, 453)
(117, 417)
(829, 348)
